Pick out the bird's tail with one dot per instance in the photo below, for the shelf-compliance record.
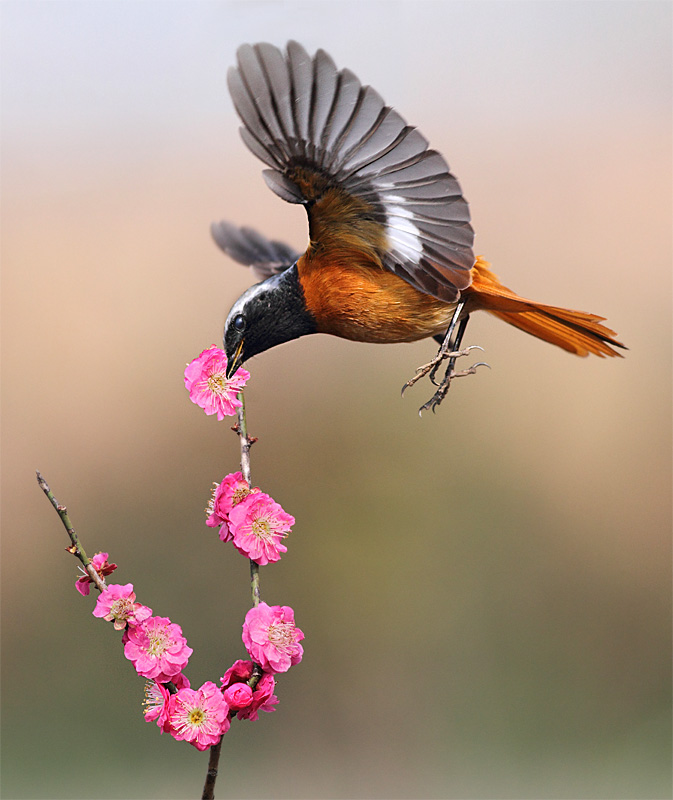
(574, 331)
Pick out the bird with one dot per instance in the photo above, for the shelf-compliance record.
(390, 255)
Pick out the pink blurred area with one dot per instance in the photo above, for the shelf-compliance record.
(485, 592)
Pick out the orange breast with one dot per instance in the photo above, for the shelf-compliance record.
(367, 303)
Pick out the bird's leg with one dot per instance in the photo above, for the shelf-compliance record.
(451, 340)
(449, 349)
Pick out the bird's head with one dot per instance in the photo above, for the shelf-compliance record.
(268, 313)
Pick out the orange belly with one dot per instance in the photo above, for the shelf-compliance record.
(369, 304)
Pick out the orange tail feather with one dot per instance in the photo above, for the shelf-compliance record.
(574, 331)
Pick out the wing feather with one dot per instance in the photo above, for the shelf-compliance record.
(324, 135)
(301, 80)
(248, 247)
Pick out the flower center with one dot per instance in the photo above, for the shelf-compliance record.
(197, 717)
(158, 641)
(122, 608)
(261, 529)
(239, 494)
(281, 634)
(217, 383)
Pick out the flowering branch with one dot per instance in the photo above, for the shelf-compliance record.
(246, 442)
(76, 548)
(241, 428)
(256, 525)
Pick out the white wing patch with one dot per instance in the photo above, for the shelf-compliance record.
(402, 234)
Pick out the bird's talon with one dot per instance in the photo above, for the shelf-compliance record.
(433, 366)
(431, 369)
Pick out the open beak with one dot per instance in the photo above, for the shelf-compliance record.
(235, 361)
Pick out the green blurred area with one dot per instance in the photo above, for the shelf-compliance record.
(485, 592)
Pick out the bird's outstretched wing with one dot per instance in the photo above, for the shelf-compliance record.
(367, 179)
(248, 247)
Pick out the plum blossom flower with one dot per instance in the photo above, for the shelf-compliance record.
(157, 700)
(208, 386)
(156, 703)
(271, 637)
(118, 604)
(157, 648)
(238, 695)
(226, 495)
(100, 564)
(263, 698)
(234, 685)
(258, 525)
(199, 716)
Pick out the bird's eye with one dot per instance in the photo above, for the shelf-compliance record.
(239, 323)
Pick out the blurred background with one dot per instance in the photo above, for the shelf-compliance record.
(485, 592)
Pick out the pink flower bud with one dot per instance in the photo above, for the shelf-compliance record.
(238, 695)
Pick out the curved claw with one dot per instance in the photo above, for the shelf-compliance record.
(452, 356)
(432, 368)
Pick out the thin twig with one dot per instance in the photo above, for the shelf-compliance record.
(76, 548)
(246, 444)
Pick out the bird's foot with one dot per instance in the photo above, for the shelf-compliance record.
(432, 367)
(435, 364)
(441, 392)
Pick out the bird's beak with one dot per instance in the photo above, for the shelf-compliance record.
(235, 361)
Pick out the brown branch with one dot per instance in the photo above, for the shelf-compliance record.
(76, 548)
(211, 775)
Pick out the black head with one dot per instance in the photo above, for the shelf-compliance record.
(267, 314)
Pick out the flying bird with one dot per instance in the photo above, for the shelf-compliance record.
(390, 255)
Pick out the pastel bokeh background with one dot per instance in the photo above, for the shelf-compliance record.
(485, 593)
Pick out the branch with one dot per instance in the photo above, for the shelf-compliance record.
(211, 775)
(246, 442)
(76, 548)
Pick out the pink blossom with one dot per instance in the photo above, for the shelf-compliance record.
(118, 604)
(258, 525)
(238, 695)
(100, 564)
(157, 700)
(199, 717)
(271, 638)
(156, 703)
(157, 648)
(231, 491)
(263, 698)
(180, 681)
(208, 385)
(238, 672)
